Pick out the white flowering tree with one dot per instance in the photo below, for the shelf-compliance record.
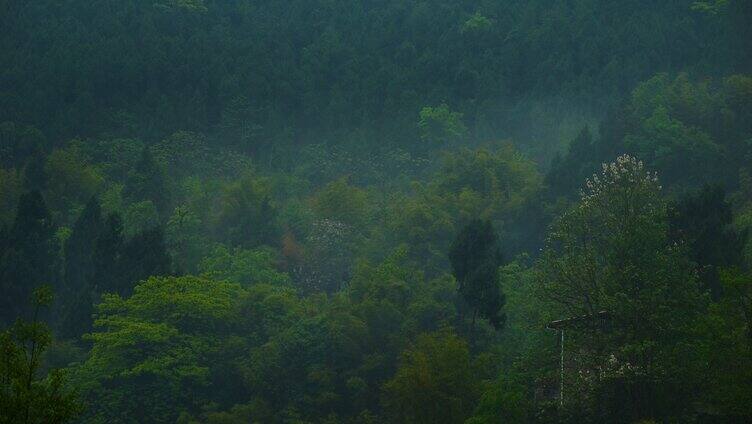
(611, 252)
(329, 257)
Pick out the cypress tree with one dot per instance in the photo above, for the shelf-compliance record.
(29, 259)
(475, 256)
(80, 270)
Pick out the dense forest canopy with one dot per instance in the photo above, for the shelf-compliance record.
(401, 211)
(260, 74)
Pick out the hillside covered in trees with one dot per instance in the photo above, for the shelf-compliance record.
(392, 211)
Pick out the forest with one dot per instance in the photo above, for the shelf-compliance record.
(375, 211)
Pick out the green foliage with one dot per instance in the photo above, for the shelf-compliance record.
(568, 171)
(262, 77)
(107, 255)
(147, 183)
(141, 256)
(186, 239)
(341, 202)
(476, 23)
(302, 159)
(334, 241)
(246, 216)
(434, 382)
(439, 125)
(692, 131)
(71, 181)
(728, 334)
(505, 401)
(25, 396)
(713, 7)
(79, 271)
(611, 252)
(424, 228)
(28, 258)
(476, 256)
(19, 142)
(188, 5)
(140, 216)
(185, 154)
(674, 148)
(163, 339)
(10, 190)
(491, 184)
(703, 221)
(242, 266)
(677, 133)
(496, 185)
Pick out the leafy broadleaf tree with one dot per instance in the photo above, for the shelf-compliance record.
(727, 389)
(147, 181)
(434, 383)
(439, 125)
(156, 352)
(26, 397)
(247, 216)
(612, 252)
(242, 266)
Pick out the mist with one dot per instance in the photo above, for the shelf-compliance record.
(396, 211)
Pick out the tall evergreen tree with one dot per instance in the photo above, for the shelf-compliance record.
(106, 259)
(567, 171)
(30, 258)
(35, 177)
(80, 270)
(476, 256)
(703, 220)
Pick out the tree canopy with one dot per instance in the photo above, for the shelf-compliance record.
(329, 211)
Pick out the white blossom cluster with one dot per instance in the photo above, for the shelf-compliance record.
(328, 267)
(626, 171)
(612, 367)
(328, 233)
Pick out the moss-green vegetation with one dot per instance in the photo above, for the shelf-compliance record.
(365, 212)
